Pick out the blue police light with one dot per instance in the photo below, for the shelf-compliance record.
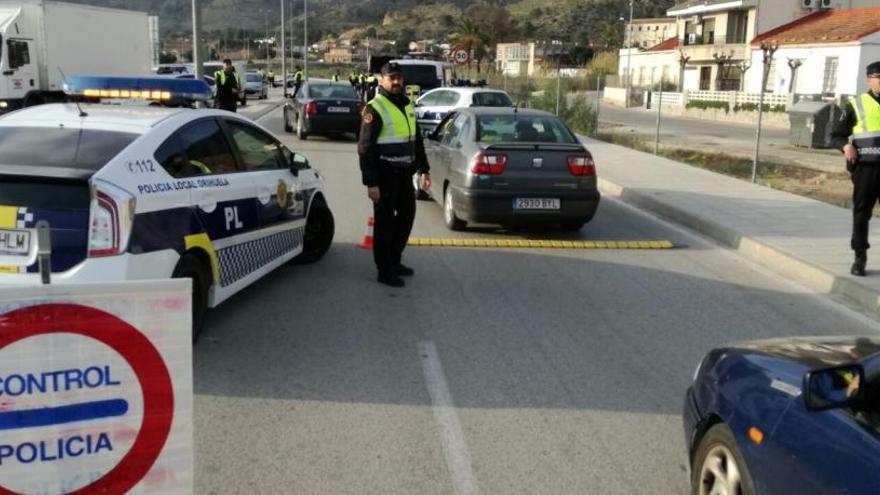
(148, 88)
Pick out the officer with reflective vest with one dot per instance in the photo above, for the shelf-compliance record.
(372, 82)
(335, 77)
(857, 134)
(297, 80)
(228, 87)
(391, 151)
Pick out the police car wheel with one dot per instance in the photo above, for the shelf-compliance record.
(318, 237)
(192, 267)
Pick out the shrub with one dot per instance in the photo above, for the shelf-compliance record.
(705, 105)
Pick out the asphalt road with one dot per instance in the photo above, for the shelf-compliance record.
(493, 371)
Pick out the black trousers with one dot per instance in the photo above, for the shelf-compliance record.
(230, 104)
(866, 193)
(393, 217)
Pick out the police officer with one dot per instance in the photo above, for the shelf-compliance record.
(228, 87)
(371, 84)
(391, 151)
(297, 79)
(861, 122)
(335, 77)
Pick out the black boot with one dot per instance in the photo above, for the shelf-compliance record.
(390, 279)
(858, 266)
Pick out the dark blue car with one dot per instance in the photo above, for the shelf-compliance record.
(786, 416)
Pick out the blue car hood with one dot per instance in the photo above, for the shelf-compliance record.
(814, 352)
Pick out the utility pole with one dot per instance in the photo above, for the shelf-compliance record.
(196, 44)
(768, 51)
(598, 102)
(283, 54)
(305, 40)
(266, 38)
(659, 106)
(629, 57)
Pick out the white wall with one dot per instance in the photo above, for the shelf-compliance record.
(645, 62)
(775, 13)
(812, 73)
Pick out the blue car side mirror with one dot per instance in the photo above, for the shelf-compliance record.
(833, 387)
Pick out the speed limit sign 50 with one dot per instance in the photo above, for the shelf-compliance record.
(460, 56)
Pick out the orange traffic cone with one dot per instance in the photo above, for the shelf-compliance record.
(368, 236)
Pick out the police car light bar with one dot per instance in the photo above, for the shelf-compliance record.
(147, 88)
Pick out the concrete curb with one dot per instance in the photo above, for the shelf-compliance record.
(784, 263)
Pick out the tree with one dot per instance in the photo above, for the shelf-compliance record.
(470, 37)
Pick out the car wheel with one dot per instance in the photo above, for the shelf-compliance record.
(190, 266)
(287, 126)
(452, 222)
(421, 195)
(318, 237)
(719, 466)
(301, 129)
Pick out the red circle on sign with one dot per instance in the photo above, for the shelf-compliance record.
(460, 56)
(141, 355)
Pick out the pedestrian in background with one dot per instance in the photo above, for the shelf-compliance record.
(297, 79)
(861, 123)
(391, 151)
(228, 87)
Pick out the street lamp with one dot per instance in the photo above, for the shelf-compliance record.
(283, 54)
(306, 40)
(629, 56)
(266, 19)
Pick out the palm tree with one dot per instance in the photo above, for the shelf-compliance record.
(470, 36)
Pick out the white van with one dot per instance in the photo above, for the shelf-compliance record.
(421, 76)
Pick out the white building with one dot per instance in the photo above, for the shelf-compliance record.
(831, 50)
(650, 32)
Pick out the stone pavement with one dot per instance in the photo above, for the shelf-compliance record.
(797, 237)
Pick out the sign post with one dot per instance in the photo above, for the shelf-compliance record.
(96, 389)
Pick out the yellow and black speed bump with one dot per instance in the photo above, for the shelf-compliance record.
(546, 244)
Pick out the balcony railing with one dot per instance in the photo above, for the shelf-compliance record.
(711, 39)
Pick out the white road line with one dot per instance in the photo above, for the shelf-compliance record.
(458, 460)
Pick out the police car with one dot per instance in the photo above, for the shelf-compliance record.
(145, 192)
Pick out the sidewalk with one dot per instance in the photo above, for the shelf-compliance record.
(799, 238)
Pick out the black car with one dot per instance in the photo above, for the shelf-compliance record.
(323, 107)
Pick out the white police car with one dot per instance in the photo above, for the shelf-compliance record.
(435, 105)
(148, 192)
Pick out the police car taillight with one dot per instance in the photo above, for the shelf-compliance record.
(110, 219)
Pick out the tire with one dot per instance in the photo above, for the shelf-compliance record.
(449, 218)
(573, 225)
(301, 129)
(287, 126)
(190, 266)
(318, 237)
(719, 460)
(421, 195)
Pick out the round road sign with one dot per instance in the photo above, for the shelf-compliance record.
(460, 56)
(117, 342)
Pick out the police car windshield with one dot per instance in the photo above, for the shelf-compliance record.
(424, 76)
(85, 149)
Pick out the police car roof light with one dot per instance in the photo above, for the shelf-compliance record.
(147, 88)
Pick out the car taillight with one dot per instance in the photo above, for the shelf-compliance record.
(111, 215)
(312, 108)
(581, 166)
(489, 163)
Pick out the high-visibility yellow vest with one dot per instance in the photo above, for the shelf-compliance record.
(397, 138)
(335, 77)
(201, 166)
(220, 76)
(866, 132)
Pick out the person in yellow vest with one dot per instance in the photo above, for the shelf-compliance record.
(335, 77)
(861, 123)
(391, 150)
(298, 77)
(228, 87)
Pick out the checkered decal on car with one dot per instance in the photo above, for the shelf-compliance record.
(25, 218)
(236, 262)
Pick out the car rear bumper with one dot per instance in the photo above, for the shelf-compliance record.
(490, 206)
(125, 267)
(333, 123)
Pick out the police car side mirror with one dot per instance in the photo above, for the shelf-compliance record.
(298, 162)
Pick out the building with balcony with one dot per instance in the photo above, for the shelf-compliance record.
(647, 33)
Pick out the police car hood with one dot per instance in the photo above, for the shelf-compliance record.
(814, 352)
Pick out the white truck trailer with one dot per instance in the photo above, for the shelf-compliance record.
(41, 40)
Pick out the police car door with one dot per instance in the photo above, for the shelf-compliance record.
(222, 198)
(280, 202)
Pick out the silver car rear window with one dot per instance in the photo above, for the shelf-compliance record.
(523, 129)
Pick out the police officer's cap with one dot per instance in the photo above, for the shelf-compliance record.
(391, 69)
(873, 69)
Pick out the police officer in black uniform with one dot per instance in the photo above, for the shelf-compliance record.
(861, 121)
(228, 87)
(390, 153)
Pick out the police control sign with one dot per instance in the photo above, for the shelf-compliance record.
(96, 389)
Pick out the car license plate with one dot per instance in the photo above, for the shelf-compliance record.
(15, 242)
(536, 204)
(338, 109)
